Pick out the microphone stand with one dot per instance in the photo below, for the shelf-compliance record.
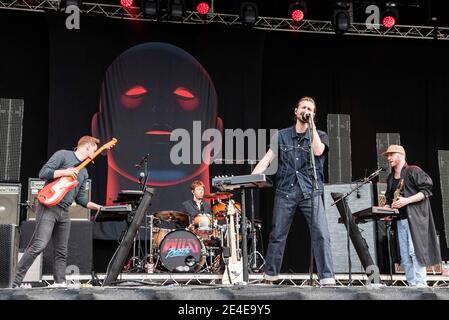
(348, 218)
(144, 162)
(314, 178)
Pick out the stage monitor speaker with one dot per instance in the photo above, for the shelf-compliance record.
(9, 244)
(79, 248)
(11, 119)
(10, 203)
(76, 211)
(339, 157)
(356, 201)
(383, 140)
(443, 164)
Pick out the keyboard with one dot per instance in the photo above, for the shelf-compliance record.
(243, 181)
(113, 213)
(374, 214)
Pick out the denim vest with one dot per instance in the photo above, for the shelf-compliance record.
(294, 162)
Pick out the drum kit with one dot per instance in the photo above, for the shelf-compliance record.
(183, 244)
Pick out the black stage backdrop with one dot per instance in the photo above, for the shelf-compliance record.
(386, 85)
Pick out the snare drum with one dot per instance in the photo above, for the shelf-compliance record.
(203, 224)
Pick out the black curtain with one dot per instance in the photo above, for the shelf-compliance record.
(385, 85)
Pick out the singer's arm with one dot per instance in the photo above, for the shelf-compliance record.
(318, 146)
(264, 162)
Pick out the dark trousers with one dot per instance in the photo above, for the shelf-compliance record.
(52, 223)
(285, 206)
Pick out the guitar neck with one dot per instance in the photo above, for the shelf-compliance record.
(233, 240)
(88, 160)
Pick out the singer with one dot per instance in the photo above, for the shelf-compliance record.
(294, 188)
(416, 232)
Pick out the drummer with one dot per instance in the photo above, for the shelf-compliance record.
(196, 205)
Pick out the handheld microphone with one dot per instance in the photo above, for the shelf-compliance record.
(307, 116)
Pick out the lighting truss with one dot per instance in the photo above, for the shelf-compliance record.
(262, 23)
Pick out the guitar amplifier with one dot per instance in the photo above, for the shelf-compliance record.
(10, 203)
(76, 211)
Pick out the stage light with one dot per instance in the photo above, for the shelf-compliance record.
(150, 8)
(202, 6)
(390, 15)
(248, 13)
(341, 19)
(126, 3)
(66, 3)
(176, 9)
(297, 11)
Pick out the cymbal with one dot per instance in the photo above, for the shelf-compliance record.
(218, 195)
(172, 215)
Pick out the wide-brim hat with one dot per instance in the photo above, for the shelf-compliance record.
(394, 148)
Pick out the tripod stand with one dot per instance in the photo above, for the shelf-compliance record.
(256, 259)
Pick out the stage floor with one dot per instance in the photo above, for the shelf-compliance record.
(208, 287)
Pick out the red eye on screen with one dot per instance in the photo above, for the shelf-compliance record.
(133, 97)
(136, 91)
(186, 99)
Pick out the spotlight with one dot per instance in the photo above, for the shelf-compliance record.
(126, 3)
(150, 8)
(297, 11)
(341, 20)
(176, 9)
(248, 13)
(435, 25)
(66, 3)
(202, 6)
(390, 15)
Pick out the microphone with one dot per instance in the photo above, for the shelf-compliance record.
(141, 176)
(145, 158)
(306, 116)
(375, 173)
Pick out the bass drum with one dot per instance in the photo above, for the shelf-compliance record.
(182, 251)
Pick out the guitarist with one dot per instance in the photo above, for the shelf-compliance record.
(53, 223)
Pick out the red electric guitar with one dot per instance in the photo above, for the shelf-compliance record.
(52, 193)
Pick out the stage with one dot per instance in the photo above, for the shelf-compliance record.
(197, 287)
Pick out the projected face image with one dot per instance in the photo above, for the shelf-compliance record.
(148, 91)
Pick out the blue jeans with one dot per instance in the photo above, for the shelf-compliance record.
(285, 206)
(51, 223)
(415, 273)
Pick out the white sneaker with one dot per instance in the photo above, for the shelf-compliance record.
(327, 282)
(58, 285)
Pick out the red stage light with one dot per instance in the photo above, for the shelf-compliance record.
(297, 15)
(389, 21)
(126, 3)
(202, 8)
